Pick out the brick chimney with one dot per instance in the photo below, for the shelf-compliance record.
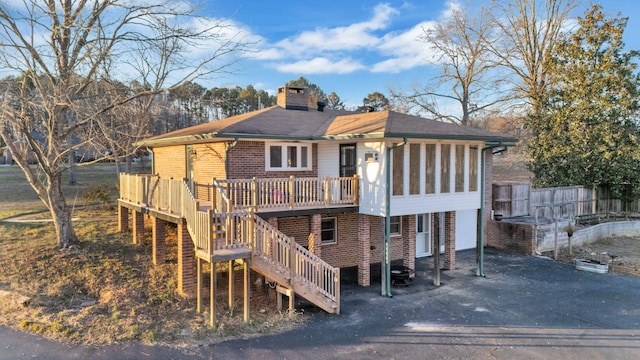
(293, 98)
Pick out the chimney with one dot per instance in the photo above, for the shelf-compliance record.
(293, 98)
(321, 105)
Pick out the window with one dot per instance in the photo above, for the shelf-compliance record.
(304, 157)
(395, 225)
(292, 156)
(275, 156)
(414, 169)
(445, 168)
(473, 168)
(288, 157)
(430, 169)
(328, 232)
(459, 168)
(398, 170)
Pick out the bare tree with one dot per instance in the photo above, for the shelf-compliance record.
(528, 31)
(71, 59)
(459, 44)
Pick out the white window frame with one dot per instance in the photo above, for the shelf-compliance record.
(335, 231)
(399, 222)
(284, 149)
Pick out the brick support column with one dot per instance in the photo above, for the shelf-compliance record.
(138, 227)
(409, 241)
(159, 248)
(450, 240)
(316, 227)
(123, 219)
(186, 262)
(364, 250)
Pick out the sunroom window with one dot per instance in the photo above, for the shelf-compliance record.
(287, 157)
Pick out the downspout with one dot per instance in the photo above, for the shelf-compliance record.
(386, 252)
(480, 241)
(226, 157)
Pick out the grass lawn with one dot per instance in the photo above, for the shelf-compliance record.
(104, 289)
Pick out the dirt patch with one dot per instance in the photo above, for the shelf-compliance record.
(106, 290)
(625, 249)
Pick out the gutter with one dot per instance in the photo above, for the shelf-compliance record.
(386, 252)
(480, 242)
(226, 157)
(377, 135)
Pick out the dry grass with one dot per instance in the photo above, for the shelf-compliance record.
(17, 197)
(105, 289)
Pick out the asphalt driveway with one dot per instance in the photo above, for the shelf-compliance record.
(525, 308)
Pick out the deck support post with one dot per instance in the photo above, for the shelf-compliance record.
(159, 248)
(199, 287)
(123, 219)
(231, 281)
(138, 227)
(212, 298)
(247, 284)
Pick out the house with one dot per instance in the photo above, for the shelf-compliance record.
(307, 191)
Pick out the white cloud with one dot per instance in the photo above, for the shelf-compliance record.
(321, 65)
(355, 36)
(349, 48)
(404, 50)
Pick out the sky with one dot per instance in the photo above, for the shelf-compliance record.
(352, 47)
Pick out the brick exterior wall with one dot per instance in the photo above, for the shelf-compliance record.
(293, 97)
(296, 227)
(169, 161)
(316, 227)
(247, 159)
(208, 163)
(159, 247)
(123, 219)
(364, 250)
(138, 227)
(450, 240)
(520, 238)
(344, 252)
(409, 242)
(187, 280)
(349, 250)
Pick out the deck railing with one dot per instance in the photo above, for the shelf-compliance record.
(215, 230)
(282, 193)
(280, 249)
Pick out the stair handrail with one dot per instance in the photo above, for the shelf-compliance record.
(303, 264)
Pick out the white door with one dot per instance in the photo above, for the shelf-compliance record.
(423, 235)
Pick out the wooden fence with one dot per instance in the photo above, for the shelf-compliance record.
(519, 199)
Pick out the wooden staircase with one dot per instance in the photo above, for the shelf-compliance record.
(220, 234)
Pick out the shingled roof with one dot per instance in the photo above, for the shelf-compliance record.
(276, 122)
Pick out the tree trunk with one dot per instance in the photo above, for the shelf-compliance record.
(73, 180)
(61, 214)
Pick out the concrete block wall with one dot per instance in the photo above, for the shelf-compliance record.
(546, 233)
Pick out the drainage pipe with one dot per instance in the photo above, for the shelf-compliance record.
(226, 160)
(496, 149)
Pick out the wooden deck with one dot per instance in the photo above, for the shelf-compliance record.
(224, 226)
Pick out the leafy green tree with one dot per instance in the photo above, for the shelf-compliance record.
(587, 130)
